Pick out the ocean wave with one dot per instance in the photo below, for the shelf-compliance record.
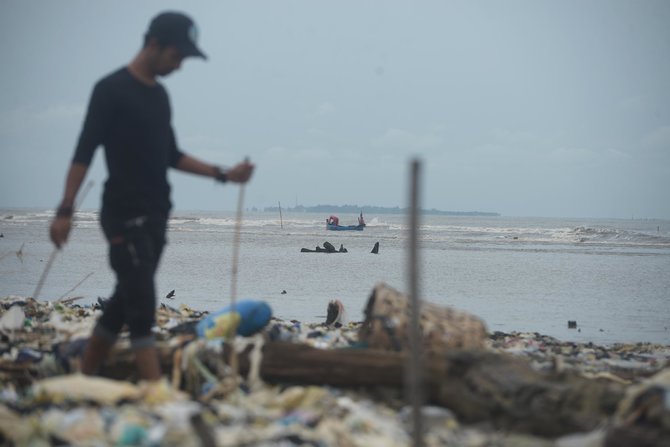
(616, 235)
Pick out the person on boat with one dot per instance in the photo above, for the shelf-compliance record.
(129, 114)
(361, 222)
(333, 220)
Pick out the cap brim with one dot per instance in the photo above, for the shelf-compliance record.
(191, 51)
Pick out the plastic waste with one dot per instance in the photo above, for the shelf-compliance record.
(250, 317)
(13, 319)
(81, 388)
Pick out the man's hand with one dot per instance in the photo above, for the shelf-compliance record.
(240, 173)
(60, 230)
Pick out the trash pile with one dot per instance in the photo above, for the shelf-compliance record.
(621, 362)
(43, 401)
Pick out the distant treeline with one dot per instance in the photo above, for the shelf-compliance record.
(367, 209)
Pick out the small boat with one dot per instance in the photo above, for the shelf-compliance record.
(333, 223)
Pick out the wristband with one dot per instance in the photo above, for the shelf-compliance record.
(64, 211)
(220, 176)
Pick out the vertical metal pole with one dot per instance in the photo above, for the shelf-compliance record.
(415, 367)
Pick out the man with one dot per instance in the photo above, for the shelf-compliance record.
(129, 114)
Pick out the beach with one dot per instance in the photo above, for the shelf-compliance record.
(43, 401)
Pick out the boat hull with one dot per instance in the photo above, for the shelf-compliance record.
(333, 227)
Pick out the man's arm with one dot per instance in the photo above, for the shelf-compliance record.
(239, 173)
(61, 224)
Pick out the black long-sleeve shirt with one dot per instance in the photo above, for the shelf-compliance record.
(133, 122)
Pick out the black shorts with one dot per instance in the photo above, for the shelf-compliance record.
(135, 248)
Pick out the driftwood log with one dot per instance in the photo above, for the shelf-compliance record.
(478, 386)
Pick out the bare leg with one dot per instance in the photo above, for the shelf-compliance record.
(148, 366)
(95, 353)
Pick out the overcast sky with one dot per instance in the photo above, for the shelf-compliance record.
(526, 108)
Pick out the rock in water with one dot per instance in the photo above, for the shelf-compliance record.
(330, 248)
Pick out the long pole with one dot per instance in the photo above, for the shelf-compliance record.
(281, 221)
(233, 279)
(415, 367)
(54, 252)
(236, 248)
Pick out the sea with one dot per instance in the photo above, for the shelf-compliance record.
(528, 274)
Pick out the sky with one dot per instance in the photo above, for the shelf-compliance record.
(522, 107)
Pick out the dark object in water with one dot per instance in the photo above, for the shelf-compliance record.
(572, 324)
(327, 248)
(375, 249)
(283, 292)
(170, 295)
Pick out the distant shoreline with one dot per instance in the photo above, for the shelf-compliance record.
(355, 209)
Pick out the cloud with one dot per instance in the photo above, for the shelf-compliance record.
(23, 118)
(276, 150)
(631, 104)
(210, 148)
(658, 138)
(572, 155)
(325, 108)
(617, 154)
(403, 139)
(297, 155)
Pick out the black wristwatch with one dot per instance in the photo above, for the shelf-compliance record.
(220, 175)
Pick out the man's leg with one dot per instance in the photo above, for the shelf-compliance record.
(104, 335)
(148, 364)
(95, 353)
(141, 310)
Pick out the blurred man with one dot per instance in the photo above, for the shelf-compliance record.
(129, 115)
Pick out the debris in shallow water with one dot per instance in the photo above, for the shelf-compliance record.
(335, 313)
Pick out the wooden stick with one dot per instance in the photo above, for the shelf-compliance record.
(233, 279)
(52, 258)
(72, 289)
(281, 220)
(415, 367)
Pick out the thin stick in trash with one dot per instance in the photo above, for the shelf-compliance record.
(52, 257)
(233, 279)
(236, 245)
(73, 289)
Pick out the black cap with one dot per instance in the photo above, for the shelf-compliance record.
(176, 29)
